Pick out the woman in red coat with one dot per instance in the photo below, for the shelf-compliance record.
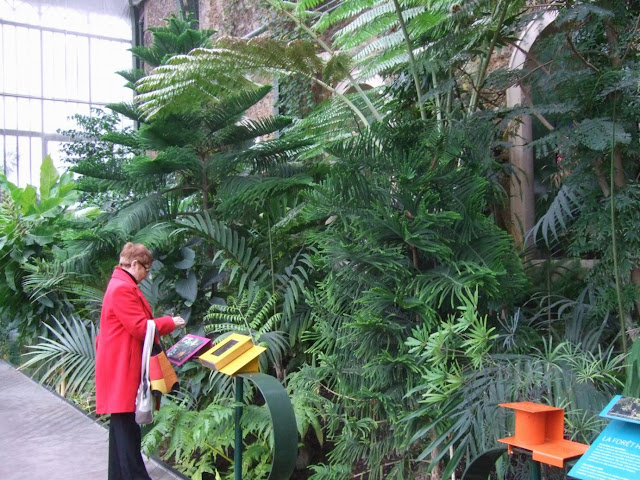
(123, 324)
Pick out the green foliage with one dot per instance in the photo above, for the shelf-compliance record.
(179, 36)
(403, 239)
(196, 439)
(252, 314)
(176, 167)
(201, 442)
(98, 161)
(592, 236)
(459, 392)
(296, 96)
(32, 226)
(232, 245)
(591, 132)
(360, 244)
(632, 386)
(66, 360)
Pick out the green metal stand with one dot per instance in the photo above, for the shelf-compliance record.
(285, 431)
(237, 452)
(534, 470)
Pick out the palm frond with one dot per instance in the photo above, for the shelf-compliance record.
(231, 245)
(138, 215)
(67, 358)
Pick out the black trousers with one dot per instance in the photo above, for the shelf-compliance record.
(125, 459)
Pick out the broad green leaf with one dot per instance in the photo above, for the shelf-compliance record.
(187, 288)
(25, 197)
(188, 259)
(48, 177)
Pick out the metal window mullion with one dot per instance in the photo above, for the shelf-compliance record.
(17, 160)
(42, 140)
(4, 112)
(59, 30)
(53, 99)
(90, 71)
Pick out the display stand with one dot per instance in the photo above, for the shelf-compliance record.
(615, 454)
(540, 430)
(238, 357)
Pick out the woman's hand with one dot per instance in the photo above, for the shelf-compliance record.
(179, 322)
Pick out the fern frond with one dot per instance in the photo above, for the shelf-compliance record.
(248, 130)
(557, 217)
(128, 109)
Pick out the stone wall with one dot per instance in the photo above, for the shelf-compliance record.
(235, 18)
(154, 11)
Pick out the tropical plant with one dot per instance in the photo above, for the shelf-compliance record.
(404, 239)
(189, 161)
(66, 359)
(366, 233)
(585, 100)
(98, 163)
(33, 227)
(200, 442)
(466, 375)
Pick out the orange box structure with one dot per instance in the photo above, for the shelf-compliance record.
(540, 429)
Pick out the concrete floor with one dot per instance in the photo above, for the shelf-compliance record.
(42, 437)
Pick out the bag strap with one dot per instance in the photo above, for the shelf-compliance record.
(159, 341)
(146, 353)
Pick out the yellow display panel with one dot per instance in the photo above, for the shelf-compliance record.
(226, 351)
(247, 362)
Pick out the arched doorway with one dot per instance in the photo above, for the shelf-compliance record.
(521, 188)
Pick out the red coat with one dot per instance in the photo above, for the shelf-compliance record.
(123, 324)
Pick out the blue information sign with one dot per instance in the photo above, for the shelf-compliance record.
(615, 454)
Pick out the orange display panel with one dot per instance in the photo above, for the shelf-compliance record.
(540, 429)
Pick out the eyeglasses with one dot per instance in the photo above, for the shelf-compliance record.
(146, 268)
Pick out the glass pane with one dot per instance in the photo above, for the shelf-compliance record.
(25, 173)
(54, 150)
(9, 58)
(36, 151)
(10, 113)
(33, 71)
(61, 17)
(27, 73)
(110, 25)
(10, 158)
(23, 115)
(2, 170)
(57, 115)
(82, 68)
(76, 67)
(20, 12)
(35, 115)
(55, 65)
(106, 85)
(52, 57)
